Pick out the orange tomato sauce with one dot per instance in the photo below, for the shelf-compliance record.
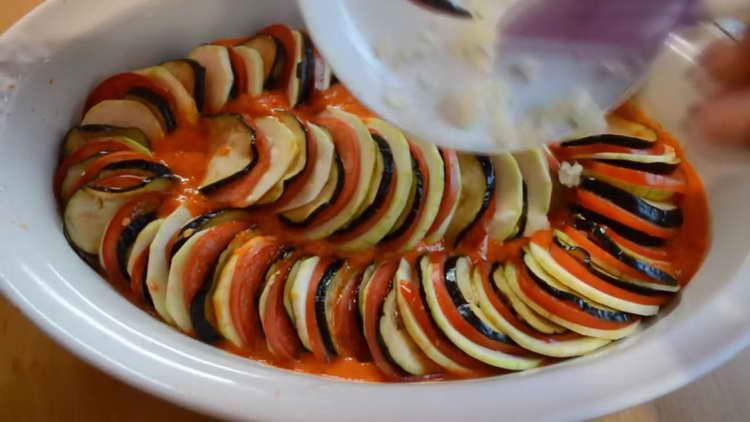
(186, 152)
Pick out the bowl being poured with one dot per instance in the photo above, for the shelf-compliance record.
(498, 75)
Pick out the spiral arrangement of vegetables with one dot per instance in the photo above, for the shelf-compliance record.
(313, 227)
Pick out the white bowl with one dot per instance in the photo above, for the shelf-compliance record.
(69, 45)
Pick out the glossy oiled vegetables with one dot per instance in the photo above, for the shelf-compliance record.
(246, 198)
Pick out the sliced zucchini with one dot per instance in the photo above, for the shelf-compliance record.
(79, 136)
(125, 113)
(233, 150)
(253, 68)
(414, 203)
(348, 132)
(184, 107)
(451, 196)
(477, 190)
(300, 139)
(659, 213)
(319, 176)
(503, 319)
(143, 243)
(272, 54)
(177, 305)
(394, 149)
(238, 286)
(121, 232)
(203, 222)
(283, 148)
(509, 199)
(406, 281)
(537, 275)
(293, 45)
(397, 341)
(192, 76)
(484, 354)
(219, 75)
(429, 176)
(88, 212)
(536, 174)
(533, 319)
(326, 294)
(302, 216)
(157, 272)
(664, 163)
(298, 296)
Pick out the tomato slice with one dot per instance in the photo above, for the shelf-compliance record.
(398, 243)
(253, 260)
(145, 204)
(293, 187)
(118, 86)
(451, 191)
(138, 277)
(346, 142)
(347, 324)
(507, 314)
(597, 204)
(454, 318)
(605, 257)
(240, 72)
(413, 296)
(657, 254)
(93, 170)
(313, 330)
(377, 289)
(285, 36)
(636, 177)
(559, 307)
(281, 335)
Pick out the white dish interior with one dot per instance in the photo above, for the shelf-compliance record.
(70, 45)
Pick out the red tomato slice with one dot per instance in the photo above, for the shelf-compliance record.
(347, 328)
(141, 205)
(579, 270)
(560, 308)
(93, 170)
(347, 146)
(500, 306)
(411, 293)
(117, 87)
(450, 193)
(456, 320)
(285, 36)
(281, 335)
(313, 330)
(597, 204)
(253, 260)
(291, 190)
(636, 177)
(377, 289)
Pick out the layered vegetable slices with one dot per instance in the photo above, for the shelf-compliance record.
(248, 200)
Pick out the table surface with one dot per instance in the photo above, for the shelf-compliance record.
(41, 381)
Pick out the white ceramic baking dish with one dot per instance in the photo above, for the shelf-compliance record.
(50, 60)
